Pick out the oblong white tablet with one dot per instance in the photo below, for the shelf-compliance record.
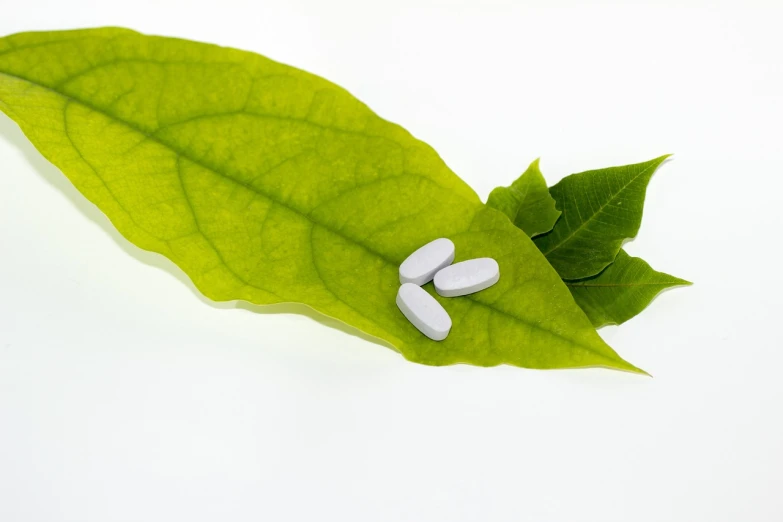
(467, 277)
(423, 311)
(420, 267)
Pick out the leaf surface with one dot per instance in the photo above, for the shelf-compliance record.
(621, 291)
(601, 209)
(268, 184)
(527, 202)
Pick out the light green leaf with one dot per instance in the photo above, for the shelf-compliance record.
(527, 202)
(601, 209)
(268, 184)
(621, 291)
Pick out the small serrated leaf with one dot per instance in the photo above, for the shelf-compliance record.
(527, 202)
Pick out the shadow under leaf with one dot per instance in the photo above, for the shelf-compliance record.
(12, 134)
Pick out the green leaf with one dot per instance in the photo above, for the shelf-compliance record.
(267, 184)
(527, 202)
(621, 291)
(601, 209)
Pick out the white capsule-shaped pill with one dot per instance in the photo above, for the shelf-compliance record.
(422, 265)
(423, 311)
(467, 277)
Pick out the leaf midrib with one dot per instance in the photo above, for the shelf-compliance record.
(372, 251)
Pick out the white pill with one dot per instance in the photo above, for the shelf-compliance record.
(467, 277)
(421, 266)
(423, 311)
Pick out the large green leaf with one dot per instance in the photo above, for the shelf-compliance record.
(621, 291)
(267, 184)
(601, 209)
(527, 202)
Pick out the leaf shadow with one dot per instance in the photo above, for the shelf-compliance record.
(11, 133)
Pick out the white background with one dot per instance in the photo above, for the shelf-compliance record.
(124, 396)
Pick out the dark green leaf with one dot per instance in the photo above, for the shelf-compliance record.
(601, 209)
(621, 291)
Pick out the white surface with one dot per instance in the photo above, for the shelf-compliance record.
(467, 277)
(125, 397)
(423, 311)
(420, 267)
